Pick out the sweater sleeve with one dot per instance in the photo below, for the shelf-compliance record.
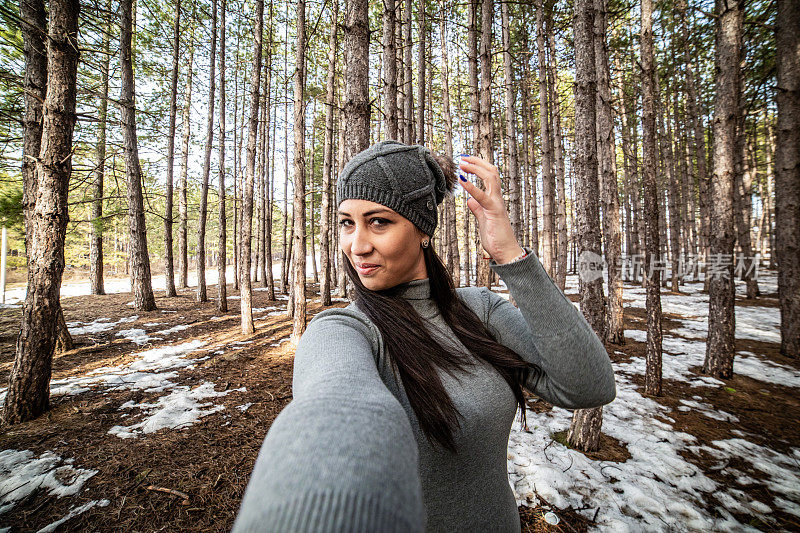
(342, 455)
(574, 370)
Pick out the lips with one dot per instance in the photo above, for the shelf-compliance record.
(366, 268)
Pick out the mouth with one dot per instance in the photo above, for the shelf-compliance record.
(367, 268)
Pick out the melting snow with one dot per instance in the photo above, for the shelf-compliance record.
(657, 489)
(179, 409)
(21, 473)
(97, 326)
(73, 512)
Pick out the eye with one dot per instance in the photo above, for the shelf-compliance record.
(344, 222)
(380, 222)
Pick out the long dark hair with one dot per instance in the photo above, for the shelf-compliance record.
(415, 354)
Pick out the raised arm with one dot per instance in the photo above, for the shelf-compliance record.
(549, 331)
(342, 455)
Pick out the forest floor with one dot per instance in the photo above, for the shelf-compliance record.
(156, 420)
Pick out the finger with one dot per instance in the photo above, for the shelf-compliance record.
(476, 209)
(482, 197)
(490, 178)
(480, 162)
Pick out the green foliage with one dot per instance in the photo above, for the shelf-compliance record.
(11, 206)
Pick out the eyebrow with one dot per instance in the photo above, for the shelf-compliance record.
(368, 213)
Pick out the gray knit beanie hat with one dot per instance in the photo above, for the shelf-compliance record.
(405, 178)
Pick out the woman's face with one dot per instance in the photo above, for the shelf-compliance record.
(383, 246)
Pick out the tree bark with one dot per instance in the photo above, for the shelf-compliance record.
(390, 98)
(299, 260)
(183, 211)
(548, 236)
(169, 271)
(615, 332)
(699, 141)
(408, 80)
(389, 67)
(511, 128)
(266, 215)
(532, 221)
(584, 431)
(356, 75)
(28, 385)
(222, 261)
(557, 149)
(787, 175)
(746, 260)
(720, 347)
(454, 256)
(202, 295)
(650, 158)
(486, 137)
(422, 69)
(675, 222)
(96, 240)
(139, 257)
(246, 289)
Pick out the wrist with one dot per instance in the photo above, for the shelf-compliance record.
(508, 255)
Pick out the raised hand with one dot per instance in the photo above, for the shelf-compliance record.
(494, 225)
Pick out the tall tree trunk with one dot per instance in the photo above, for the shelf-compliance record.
(389, 68)
(650, 157)
(615, 332)
(530, 134)
(169, 270)
(183, 211)
(202, 295)
(299, 259)
(29, 382)
(557, 149)
(356, 76)
(285, 257)
(270, 281)
(454, 256)
(327, 251)
(699, 137)
(96, 241)
(222, 261)
(260, 266)
(787, 175)
(408, 80)
(246, 289)
(422, 67)
(584, 431)
(486, 137)
(35, 83)
(511, 128)
(746, 261)
(675, 222)
(548, 236)
(139, 256)
(720, 346)
(401, 71)
(265, 228)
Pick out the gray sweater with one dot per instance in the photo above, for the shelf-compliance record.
(347, 454)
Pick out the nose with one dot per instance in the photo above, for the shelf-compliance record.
(360, 243)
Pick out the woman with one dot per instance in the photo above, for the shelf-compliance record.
(403, 401)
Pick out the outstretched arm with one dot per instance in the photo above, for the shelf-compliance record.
(342, 455)
(549, 331)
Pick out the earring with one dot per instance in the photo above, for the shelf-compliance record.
(425, 244)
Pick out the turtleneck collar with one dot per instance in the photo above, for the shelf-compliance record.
(418, 289)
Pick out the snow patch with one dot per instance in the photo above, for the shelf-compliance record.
(73, 512)
(21, 473)
(179, 409)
